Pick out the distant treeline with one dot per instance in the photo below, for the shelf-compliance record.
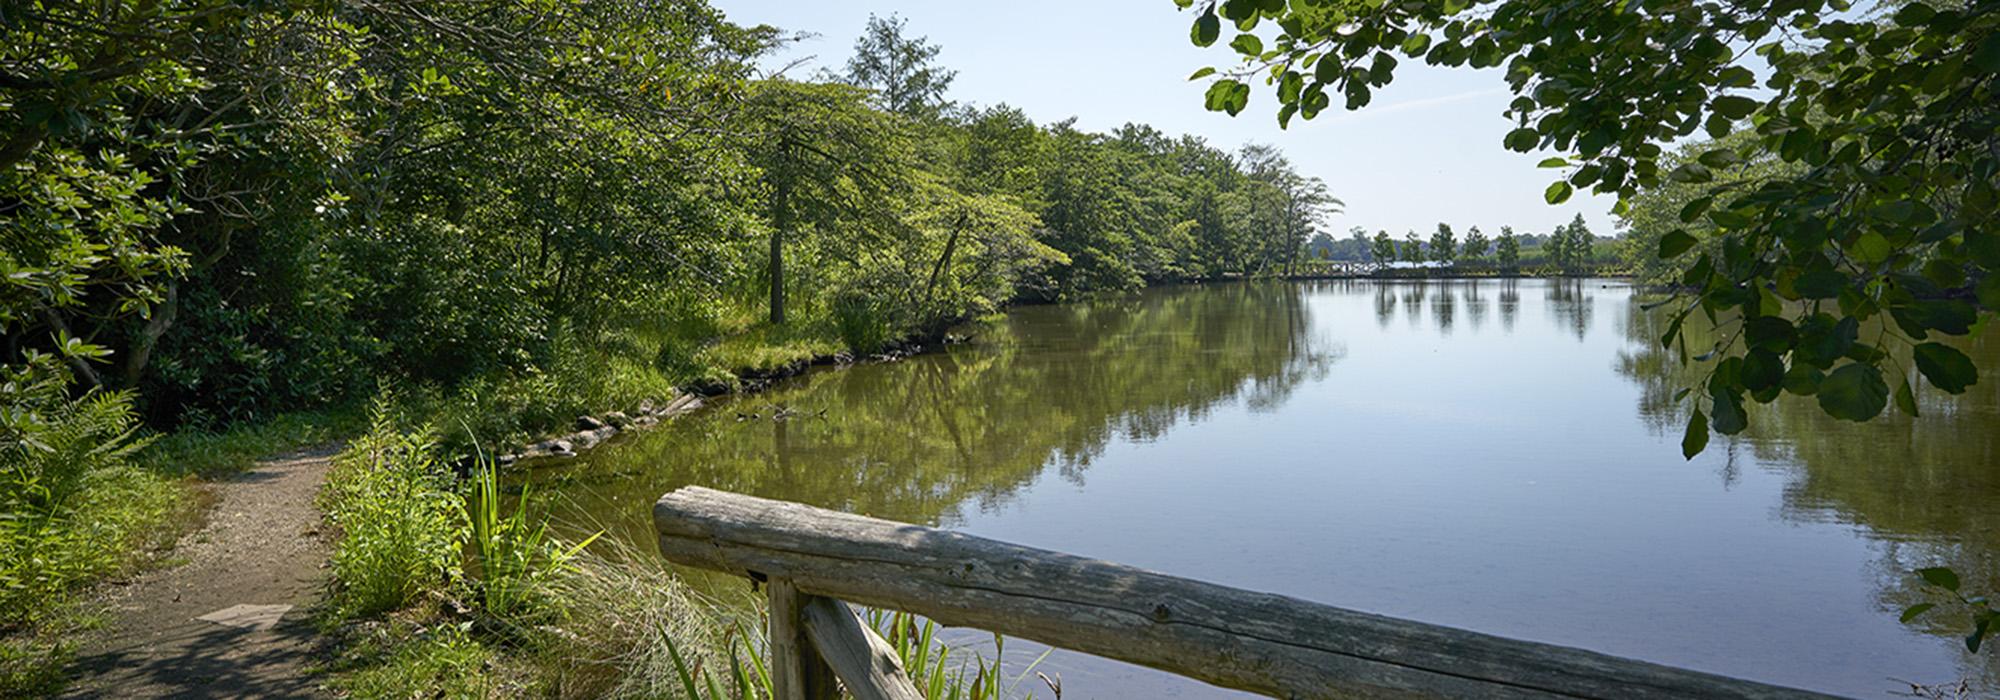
(1571, 247)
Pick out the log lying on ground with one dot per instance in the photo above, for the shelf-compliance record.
(1263, 643)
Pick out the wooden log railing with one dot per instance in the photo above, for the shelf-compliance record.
(813, 559)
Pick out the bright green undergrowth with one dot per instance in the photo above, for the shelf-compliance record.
(211, 453)
(453, 588)
(75, 507)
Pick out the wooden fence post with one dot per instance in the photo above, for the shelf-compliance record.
(797, 672)
(863, 661)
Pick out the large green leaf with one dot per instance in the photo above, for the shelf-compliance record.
(1207, 29)
(1696, 438)
(1853, 392)
(1946, 367)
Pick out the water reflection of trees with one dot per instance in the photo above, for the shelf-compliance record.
(1925, 488)
(1413, 302)
(1571, 304)
(917, 440)
(1445, 299)
(1444, 306)
(1385, 304)
(1475, 305)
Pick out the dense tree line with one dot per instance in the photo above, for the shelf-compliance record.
(235, 208)
(217, 211)
(1570, 249)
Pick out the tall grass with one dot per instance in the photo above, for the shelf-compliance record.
(514, 556)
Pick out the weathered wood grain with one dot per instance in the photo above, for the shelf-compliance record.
(797, 672)
(1263, 643)
(862, 660)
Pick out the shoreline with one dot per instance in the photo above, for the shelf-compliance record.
(592, 431)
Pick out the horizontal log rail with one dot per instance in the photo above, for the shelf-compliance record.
(1263, 643)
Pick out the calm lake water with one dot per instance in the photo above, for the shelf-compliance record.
(1500, 456)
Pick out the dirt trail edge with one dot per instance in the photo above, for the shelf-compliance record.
(232, 621)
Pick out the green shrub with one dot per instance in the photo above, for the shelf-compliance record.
(863, 322)
(402, 528)
(215, 453)
(402, 659)
(72, 505)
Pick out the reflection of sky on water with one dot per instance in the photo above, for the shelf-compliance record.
(1387, 447)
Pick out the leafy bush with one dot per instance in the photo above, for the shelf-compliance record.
(402, 527)
(863, 322)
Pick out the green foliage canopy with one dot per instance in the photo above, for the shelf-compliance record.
(1888, 113)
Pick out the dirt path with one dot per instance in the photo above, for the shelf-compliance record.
(232, 621)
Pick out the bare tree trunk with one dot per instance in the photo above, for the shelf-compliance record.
(781, 220)
(944, 261)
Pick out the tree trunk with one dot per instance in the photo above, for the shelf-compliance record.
(944, 261)
(781, 220)
(149, 337)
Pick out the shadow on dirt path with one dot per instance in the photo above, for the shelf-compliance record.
(233, 620)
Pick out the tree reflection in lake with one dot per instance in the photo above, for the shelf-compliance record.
(1510, 303)
(1571, 303)
(1413, 302)
(1045, 389)
(1475, 305)
(1924, 487)
(1385, 304)
(1487, 476)
(1443, 307)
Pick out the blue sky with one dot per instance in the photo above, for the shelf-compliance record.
(1426, 150)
